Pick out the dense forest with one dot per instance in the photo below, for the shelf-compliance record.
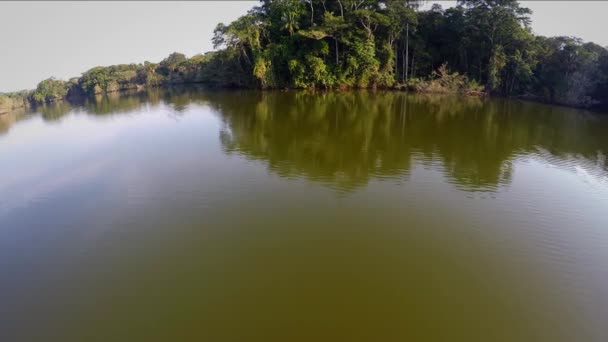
(478, 46)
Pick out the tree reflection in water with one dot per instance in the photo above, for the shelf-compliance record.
(345, 139)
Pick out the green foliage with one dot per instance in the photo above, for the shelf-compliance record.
(445, 82)
(291, 11)
(571, 72)
(147, 75)
(497, 62)
(100, 80)
(284, 43)
(310, 73)
(362, 64)
(223, 69)
(262, 71)
(50, 90)
(171, 63)
(12, 101)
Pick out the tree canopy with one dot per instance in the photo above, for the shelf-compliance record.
(381, 43)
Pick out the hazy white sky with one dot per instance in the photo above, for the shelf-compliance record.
(64, 39)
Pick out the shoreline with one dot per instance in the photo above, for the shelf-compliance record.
(397, 88)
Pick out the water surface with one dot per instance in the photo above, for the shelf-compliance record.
(292, 216)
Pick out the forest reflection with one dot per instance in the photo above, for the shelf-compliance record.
(346, 139)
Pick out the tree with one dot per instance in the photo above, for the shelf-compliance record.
(50, 90)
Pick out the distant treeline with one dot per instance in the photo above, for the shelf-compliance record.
(479, 46)
(175, 69)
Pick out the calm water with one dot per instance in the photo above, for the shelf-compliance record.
(291, 216)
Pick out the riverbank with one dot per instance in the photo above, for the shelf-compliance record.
(14, 101)
(129, 78)
(11, 104)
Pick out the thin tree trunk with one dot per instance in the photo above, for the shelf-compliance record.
(312, 14)
(403, 65)
(337, 55)
(407, 50)
(413, 64)
(341, 9)
(512, 85)
(397, 61)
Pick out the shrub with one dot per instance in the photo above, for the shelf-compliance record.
(444, 82)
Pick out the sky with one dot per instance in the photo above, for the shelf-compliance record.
(64, 39)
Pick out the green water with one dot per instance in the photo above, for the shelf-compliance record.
(191, 215)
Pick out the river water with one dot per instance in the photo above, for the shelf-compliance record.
(193, 215)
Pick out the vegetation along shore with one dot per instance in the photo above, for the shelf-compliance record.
(477, 47)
